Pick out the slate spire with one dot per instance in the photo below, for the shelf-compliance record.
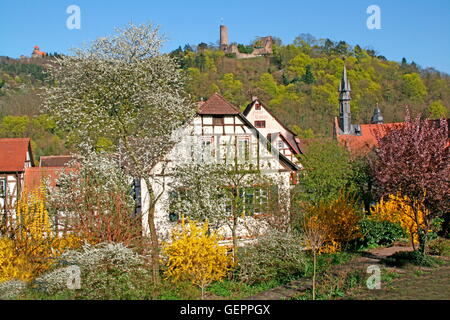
(377, 117)
(345, 118)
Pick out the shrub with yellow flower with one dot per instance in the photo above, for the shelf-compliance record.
(194, 255)
(410, 214)
(339, 218)
(31, 246)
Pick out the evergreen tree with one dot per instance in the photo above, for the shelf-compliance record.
(308, 77)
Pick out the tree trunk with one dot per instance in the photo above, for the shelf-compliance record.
(234, 236)
(422, 240)
(314, 275)
(153, 234)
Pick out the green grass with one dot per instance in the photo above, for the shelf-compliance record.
(403, 258)
(232, 289)
(412, 284)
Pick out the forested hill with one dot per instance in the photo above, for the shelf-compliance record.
(298, 83)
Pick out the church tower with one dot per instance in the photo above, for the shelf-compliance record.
(377, 117)
(345, 118)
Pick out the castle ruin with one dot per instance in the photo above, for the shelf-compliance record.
(262, 47)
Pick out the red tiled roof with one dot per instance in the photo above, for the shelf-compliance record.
(13, 154)
(364, 143)
(56, 161)
(216, 104)
(35, 176)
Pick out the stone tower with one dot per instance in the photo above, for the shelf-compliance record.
(345, 118)
(223, 38)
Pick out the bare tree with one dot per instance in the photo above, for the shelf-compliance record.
(314, 235)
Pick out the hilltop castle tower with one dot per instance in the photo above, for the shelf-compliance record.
(262, 47)
(223, 38)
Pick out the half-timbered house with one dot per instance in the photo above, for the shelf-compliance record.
(222, 133)
(273, 129)
(15, 157)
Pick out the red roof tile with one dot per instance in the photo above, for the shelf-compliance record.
(56, 161)
(364, 143)
(13, 154)
(35, 176)
(217, 104)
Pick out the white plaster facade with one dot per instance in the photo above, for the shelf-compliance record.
(281, 137)
(221, 139)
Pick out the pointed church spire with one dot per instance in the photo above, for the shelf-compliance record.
(345, 84)
(345, 118)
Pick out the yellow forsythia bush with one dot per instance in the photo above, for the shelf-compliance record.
(411, 215)
(196, 256)
(31, 246)
(340, 219)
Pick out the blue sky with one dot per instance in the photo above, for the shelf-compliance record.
(418, 30)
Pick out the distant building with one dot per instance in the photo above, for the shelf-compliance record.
(262, 47)
(56, 161)
(37, 53)
(18, 173)
(359, 139)
(15, 157)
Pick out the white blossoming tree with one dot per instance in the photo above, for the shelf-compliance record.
(93, 201)
(122, 95)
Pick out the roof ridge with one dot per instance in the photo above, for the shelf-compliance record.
(218, 105)
(250, 105)
(226, 101)
(57, 156)
(16, 139)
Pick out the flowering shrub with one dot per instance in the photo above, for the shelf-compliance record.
(10, 289)
(108, 271)
(276, 255)
(32, 245)
(411, 215)
(340, 219)
(196, 256)
(97, 202)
